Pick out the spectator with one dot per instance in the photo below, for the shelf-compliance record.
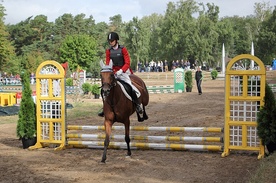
(166, 66)
(173, 65)
(147, 67)
(139, 66)
(188, 65)
(162, 66)
(151, 66)
(273, 64)
(158, 66)
(177, 64)
(198, 78)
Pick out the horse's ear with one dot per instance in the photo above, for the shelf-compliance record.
(102, 64)
(111, 63)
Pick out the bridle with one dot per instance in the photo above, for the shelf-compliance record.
(107, 86)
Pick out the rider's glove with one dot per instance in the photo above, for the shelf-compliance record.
(119, 72)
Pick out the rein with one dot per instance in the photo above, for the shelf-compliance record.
(113, 83)
(107, 90)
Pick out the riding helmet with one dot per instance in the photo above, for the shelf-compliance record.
(112, 36)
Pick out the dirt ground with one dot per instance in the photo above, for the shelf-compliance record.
(145, 166)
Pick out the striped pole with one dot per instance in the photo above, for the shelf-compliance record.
(144, 128)
(138, 145)
(154, 138)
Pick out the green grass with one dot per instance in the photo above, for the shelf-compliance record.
(8, 119)
(83, 109)
(80, 109)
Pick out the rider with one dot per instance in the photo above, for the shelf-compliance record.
(121, 66)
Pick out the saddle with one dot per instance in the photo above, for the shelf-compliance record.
(127, 89)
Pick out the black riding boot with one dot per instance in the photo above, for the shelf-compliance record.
(137, 102)
(101, 113)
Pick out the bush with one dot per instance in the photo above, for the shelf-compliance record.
(266, 119)
(86, 88)
(214, 74)
(95, 89)
(189, 79)
(69, 82)
(26, 124)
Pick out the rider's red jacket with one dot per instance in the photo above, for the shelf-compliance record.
(126, 64)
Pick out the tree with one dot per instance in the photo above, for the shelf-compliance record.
(226, 34)
(262, 12)
(115, 23)
(153, 24)
(32, 60)
(6, 49)
(206, 36)
(135, 39)
(26, 124)
(101, 30)
(63, 25)
(41, 26)
(178, 30)
(79, 50)
(188, 30)
(21, 35)
(266, 44)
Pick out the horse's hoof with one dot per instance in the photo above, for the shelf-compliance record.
(141, 120)
(102, 162)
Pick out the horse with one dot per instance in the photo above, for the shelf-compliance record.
(117, 107)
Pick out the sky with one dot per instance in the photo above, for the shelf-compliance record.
(102, 10)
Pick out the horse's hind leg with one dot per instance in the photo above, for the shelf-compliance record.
(107, 140)
(127, 139)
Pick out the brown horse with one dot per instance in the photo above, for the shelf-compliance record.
(117, 107)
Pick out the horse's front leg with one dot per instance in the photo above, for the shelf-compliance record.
(127, 139)
(108, 126)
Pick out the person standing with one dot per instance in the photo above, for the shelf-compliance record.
(166, 66)
(121, 66)
(198, 78)
(273, 64)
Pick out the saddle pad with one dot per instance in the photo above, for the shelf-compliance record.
(125, 92)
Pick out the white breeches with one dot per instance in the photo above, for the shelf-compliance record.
(125, 77)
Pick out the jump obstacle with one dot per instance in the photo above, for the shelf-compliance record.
(159, 142)
(243, 99)
(161, 89)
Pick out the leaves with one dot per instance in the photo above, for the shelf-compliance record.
(26, 124)
(188, 78)
(266, 118)
(79, 50)
(187, 30)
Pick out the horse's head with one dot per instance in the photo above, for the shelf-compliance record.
(107, 78)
